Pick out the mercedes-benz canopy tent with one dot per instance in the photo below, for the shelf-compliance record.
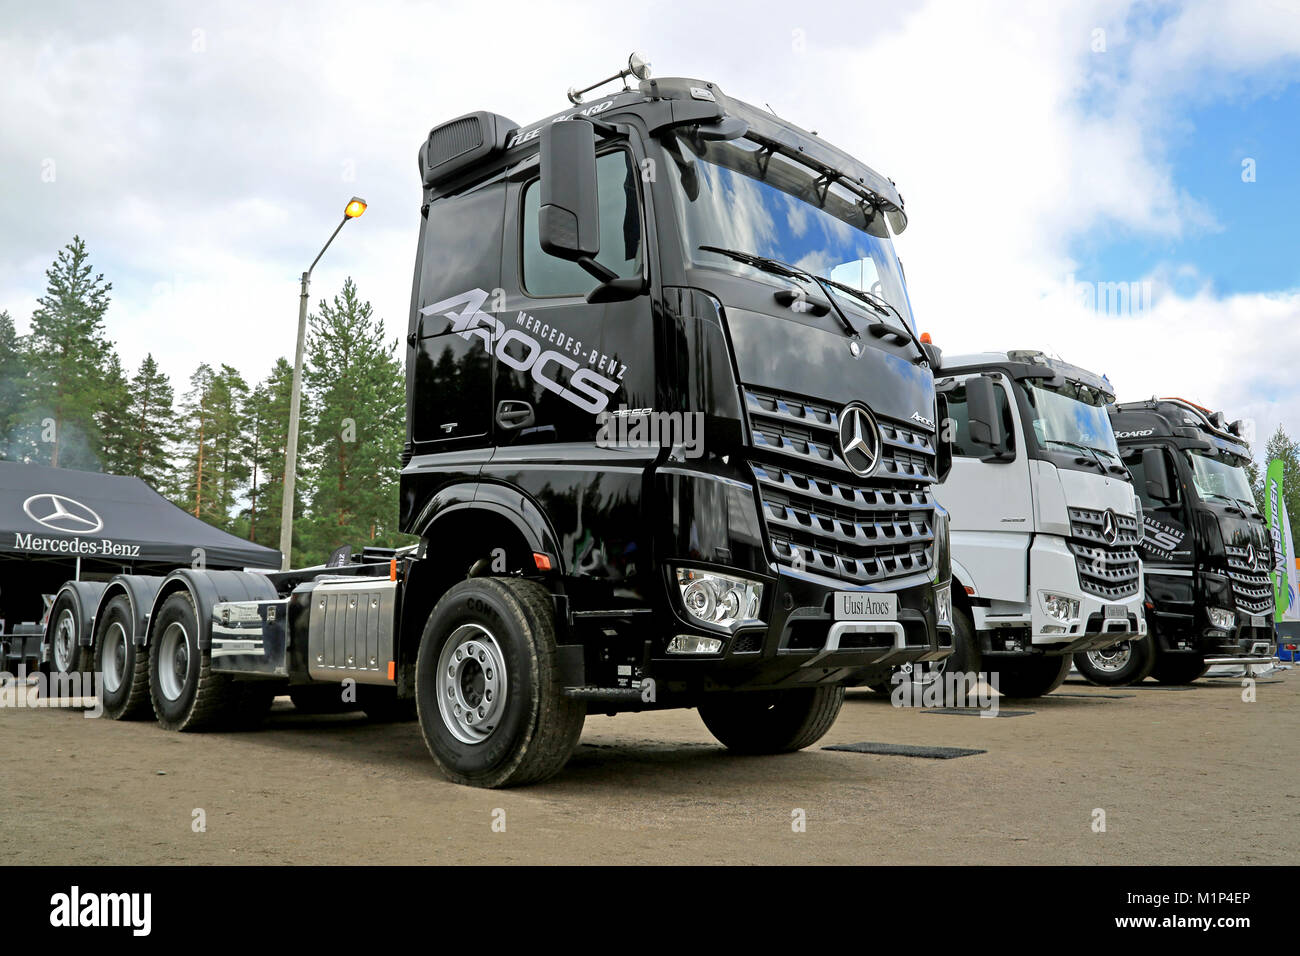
(57, 524)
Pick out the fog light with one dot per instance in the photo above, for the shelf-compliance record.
(1059, 607)
(943, 604)
(1222, 618)
(719, 599)
(691, 644)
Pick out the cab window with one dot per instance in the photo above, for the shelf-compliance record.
(620, 233)
(958, 414)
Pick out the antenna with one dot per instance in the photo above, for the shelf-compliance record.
(637, 65)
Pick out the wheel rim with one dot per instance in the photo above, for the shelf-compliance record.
(113, 660)
(173, 660)
(65, 637)
(471, 683)
(1111, 659)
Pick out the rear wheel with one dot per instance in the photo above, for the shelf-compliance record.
(186, 694)
(1032, 676)
(488, 688)
(1125, 663)
(1179, 668)
(771, 722)
(122, 664)
(67, 655)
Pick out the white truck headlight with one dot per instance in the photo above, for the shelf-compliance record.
(1059, 607)
(719, 599)
(1222, 618)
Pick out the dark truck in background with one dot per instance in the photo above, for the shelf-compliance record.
(650, 463)
(1205, 547)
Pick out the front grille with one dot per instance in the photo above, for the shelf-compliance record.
(1108, 570)
(1252, 588)
(822, 517)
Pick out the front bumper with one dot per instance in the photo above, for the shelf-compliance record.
(1053, 569)
(803, 644)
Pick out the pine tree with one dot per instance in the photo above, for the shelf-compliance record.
(111, 420)
(68, 354)
(16, 435)
(198, 476)
(355, 436)
(149, 428)
(266, 429)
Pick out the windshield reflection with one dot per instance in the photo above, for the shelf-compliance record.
(1071, 415)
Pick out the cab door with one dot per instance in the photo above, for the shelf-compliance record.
(567, 369)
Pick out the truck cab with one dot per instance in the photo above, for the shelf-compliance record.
(1045, 523)
(1206, 550)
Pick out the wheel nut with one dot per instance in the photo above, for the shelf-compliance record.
(489, 673)
(481, 711)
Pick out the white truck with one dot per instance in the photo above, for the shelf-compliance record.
(1045, 524)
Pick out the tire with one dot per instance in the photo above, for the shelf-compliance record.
(186, 695)
(528, 728)
(321, 699)
(123, 665)
(382, 705)
(772, 722)
(1033, 676)
(1179, 668)
(67, 654)
(1126, 663)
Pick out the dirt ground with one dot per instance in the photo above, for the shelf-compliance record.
(1183, 776)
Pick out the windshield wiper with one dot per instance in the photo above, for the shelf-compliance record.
(881, 306)
(777, 267)
(1232, 502)
(1086, 449)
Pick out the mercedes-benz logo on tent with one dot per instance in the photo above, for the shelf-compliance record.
(62, 514)
(859, 439)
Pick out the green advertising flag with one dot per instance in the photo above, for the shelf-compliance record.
(1281, 573)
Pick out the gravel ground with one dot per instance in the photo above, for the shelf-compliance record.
(1183, 776)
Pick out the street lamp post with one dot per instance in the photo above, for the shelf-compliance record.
(353, 210)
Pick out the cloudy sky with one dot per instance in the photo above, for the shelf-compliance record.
(205, 151)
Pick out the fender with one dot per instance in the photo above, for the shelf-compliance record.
(505, 500)
(140, 591)
(207, 588)
(962, 578)
(85, 599)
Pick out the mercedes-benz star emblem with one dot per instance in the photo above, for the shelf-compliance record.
(62, 514)
(1252, 560)
(859, 439)
(1109, 530)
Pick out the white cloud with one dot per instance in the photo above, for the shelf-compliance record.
(205, 181)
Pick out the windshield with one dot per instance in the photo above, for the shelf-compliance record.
(736, 195)
(1217, 474)
(1071, 416)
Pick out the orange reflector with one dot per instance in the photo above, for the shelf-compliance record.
(392, 670)
(925, 337)
(969, 590)
(542, 561)
(392, 569)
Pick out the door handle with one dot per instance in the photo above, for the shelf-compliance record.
(512, 415)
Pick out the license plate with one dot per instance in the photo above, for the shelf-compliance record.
(1257, 620)
(1117, 610)
(865, 606)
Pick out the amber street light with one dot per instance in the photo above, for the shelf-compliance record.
(352, 210)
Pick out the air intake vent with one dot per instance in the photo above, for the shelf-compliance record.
(458, 144)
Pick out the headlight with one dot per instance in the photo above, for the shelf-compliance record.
(692, 644)
(1058, 606)
(943, 604)
(719, 599)
(1222, 618)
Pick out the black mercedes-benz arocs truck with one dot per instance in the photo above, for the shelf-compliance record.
(1205, 547)
(671, 442)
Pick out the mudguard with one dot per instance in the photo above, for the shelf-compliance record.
(207, 588)
(508, 502)
(140, 591)
(85, 598)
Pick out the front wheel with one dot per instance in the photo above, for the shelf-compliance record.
(1032, 676)
(1125, 663)
(772, 722)
(1179, 668)
(488, 688)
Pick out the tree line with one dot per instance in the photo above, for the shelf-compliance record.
(217, 448)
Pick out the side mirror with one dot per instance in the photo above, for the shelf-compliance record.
(1160, 486)
(942, 438)
(568, 222)
(985, 420)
